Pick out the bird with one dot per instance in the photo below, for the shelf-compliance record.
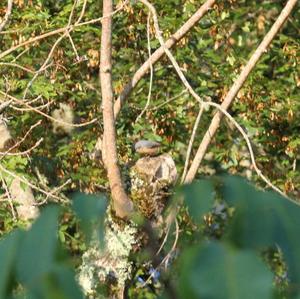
(147, 147)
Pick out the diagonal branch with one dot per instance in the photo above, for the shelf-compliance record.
(32, 108)
(58, 31)
(151, 71)
(215, 123)
(121, 203)
(191, 142)
(142, 71)
(205, 104)
(7, 14)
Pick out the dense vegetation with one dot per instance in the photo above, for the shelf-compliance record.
(234, 241)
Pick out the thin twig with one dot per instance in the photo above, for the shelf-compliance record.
(21, 54)
(165, 239)
(13, 212)
(73, 46)
(151, 70)
(8, 151)
(4, 105)
(41, 107)
(191, 142)
(20, 102)
(215, 123)
(169, 100)
(207, 104)
(24, 153)
(58, 31)
(166, 258)
(55, 190)
(17, 66)
(156, 56)
(46, 63)
(26, 182)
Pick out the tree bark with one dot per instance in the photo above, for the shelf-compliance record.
(121, 203)
(215, 123)
(154, 58)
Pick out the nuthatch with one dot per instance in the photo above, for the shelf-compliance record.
(147, 147)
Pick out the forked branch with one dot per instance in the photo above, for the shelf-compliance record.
(196, 96)
(156, 56)
(215, 123)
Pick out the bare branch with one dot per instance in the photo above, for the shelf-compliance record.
(23, 103)
(46, 63)
(142, 71)
(121, 203)
(4, 105)
(169, 100)
(151, 71)
(202, 103)
(7, 14)
(22, 196)
(27, 183)
(215, 123)
(17, 66)
(191, 142)
(58, 31)
(8, 152)
(10, 200)
(74, 47)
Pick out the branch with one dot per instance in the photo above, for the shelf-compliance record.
(197, 97)
(34, 109)
(58, 31)
(46, 63)
(121, 203)
(17, 66)
(151, 71)
(142, 71)
(15, 191)
(191, 142)
(215, 123)
(9, 151)
(7, 14)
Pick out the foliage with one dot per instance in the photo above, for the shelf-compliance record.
(242, 229)
(33, 263)
(260, 221)
(212, 55)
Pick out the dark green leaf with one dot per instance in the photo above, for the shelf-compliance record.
(217, 271)
(37, 251)
(199, 197)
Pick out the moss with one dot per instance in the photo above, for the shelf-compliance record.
(109, 263)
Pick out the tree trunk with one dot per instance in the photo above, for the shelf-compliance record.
(121, 203)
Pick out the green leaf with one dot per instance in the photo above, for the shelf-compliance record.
(90, 210)
(8, 253)
(262, 220)
(38, 249)
(59, 284)
(199, 197)
(217, 271)
(89, 207)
